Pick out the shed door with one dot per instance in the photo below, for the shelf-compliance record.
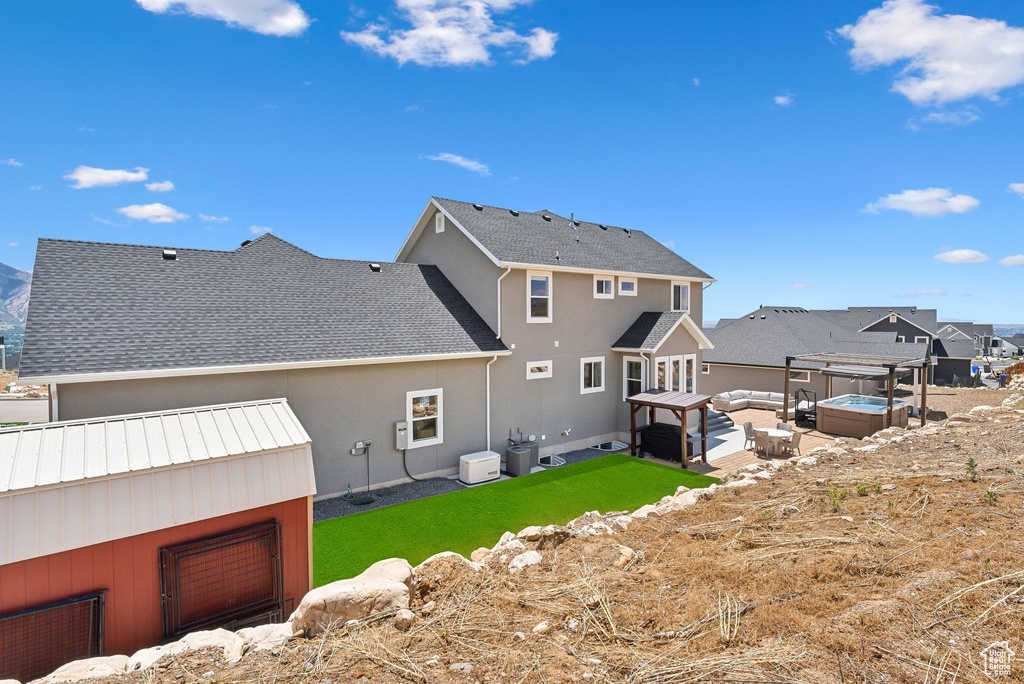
(232, 580)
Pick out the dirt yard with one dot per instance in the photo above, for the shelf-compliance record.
(884, 561)
(945, 401)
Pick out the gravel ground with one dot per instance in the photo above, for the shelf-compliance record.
(410, 491)
(945, 401)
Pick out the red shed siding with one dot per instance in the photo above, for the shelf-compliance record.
(129, 570)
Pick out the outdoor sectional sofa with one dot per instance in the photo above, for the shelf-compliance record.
(741, 399)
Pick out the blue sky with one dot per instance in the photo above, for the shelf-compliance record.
(761, 140)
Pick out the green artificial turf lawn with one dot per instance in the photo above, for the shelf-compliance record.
(467, 519)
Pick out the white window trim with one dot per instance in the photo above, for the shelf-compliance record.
(438, 222)
(538, 376)
(682, 367)
(920, 339)
(626, 293)
(668, 372)
(806, 375)
(551, 297)
(672, 295)
(643, 373)
(583, 362)
(416, 444)
(705, 369)
(610, 294)
(893, 318)
(901, 339)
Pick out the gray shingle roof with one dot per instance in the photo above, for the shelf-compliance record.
(1015, 340)
(647, 331)
(959, 349)
(859, 317)
(99, 307)
(767, 336)
(528, 238)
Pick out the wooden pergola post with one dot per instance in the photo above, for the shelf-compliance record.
(682, 430)
(785, 391)
(633, 408)
(704, 432)
(892, 388)
(828, 384)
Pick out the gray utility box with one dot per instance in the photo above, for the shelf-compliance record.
(517, 461)
(534, 448)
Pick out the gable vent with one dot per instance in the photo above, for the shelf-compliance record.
(375, 268)
(478, 207)
(513, 212)
(170, 255)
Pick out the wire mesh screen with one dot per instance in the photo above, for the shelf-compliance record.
(225, 580)
(36, 641)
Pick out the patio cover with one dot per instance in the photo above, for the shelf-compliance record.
(862, 372)
(676, 402)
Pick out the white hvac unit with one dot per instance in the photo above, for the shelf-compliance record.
(482, 466)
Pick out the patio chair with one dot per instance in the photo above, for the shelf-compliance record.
(792, 445)
(788, 427)
(748, 435)
(761, 443)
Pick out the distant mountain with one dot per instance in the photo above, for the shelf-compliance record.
(14, 290)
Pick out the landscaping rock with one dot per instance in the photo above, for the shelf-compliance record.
(265, 637)
(480, 555)
(531, 533)
(626, 554)
(385, 585)
(443, 556)
(542, 627)
(524, 560)
(88, 668)
(645, 512)
(404, 619)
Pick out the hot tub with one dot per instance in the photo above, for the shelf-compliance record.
(859, 415)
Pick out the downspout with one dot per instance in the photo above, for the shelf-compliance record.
(500, 278)
(487, 371)
(54, 412)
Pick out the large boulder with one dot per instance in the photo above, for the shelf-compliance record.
(385, 585)
(232, 646)
(88, 668)
(265, 637)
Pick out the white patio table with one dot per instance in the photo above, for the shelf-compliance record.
(776, 438)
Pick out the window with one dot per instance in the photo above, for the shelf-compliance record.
(675, 373)
(800, 376)
(690, 373)
(901, 339)
(424, 413)
(921, 339)
(681, 297)
(633, 376)
(538, 369)
(705, 369)
(592, 375)
(438, 222)
(892, 318)
(604, 287)
(538, 294)
(627, 287)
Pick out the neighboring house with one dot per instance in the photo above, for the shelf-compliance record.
(489, 321)
(1003, 347)
(1015, 344)
(750, 352)
(983, 336)
(956, 330)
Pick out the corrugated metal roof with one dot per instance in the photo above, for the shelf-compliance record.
(64, 452)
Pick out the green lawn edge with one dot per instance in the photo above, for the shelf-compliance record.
(465, 520)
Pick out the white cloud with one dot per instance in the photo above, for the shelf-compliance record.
(91, 177)
(35, 187)
(154, 213)
(12, 244)
(696, 82)
(1015, 260)
(784, 100)
(260, 230)
(269, 17)
(468, 164)
(802, 286)
(212, 219)
(962, 256)
(945, 57)
(923, 293)
(10, 161)
(1017, 188)
(927, 202)
(453, 33)
(958, 117)
(104, 221)
(162, 186)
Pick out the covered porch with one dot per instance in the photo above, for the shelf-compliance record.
(678, 404)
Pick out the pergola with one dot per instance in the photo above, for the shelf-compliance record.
(864, 367)
(676, 402)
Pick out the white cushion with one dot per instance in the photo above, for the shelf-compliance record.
(739, 394)
(775, 396)
(760, 396)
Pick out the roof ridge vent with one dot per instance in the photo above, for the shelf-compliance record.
(602, 226)
(513, 212)
(545, 217)
(375, 267)
(478, 207)
(170, 255)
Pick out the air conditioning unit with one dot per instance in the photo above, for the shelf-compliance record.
(482, 466)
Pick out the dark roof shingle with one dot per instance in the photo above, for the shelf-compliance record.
(100, 307)
(524, 237)
(648, 330)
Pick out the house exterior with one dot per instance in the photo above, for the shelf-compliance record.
(750, 352)
(132, 529)
(489, 320)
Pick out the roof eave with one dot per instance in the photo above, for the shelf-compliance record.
(581, 269)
